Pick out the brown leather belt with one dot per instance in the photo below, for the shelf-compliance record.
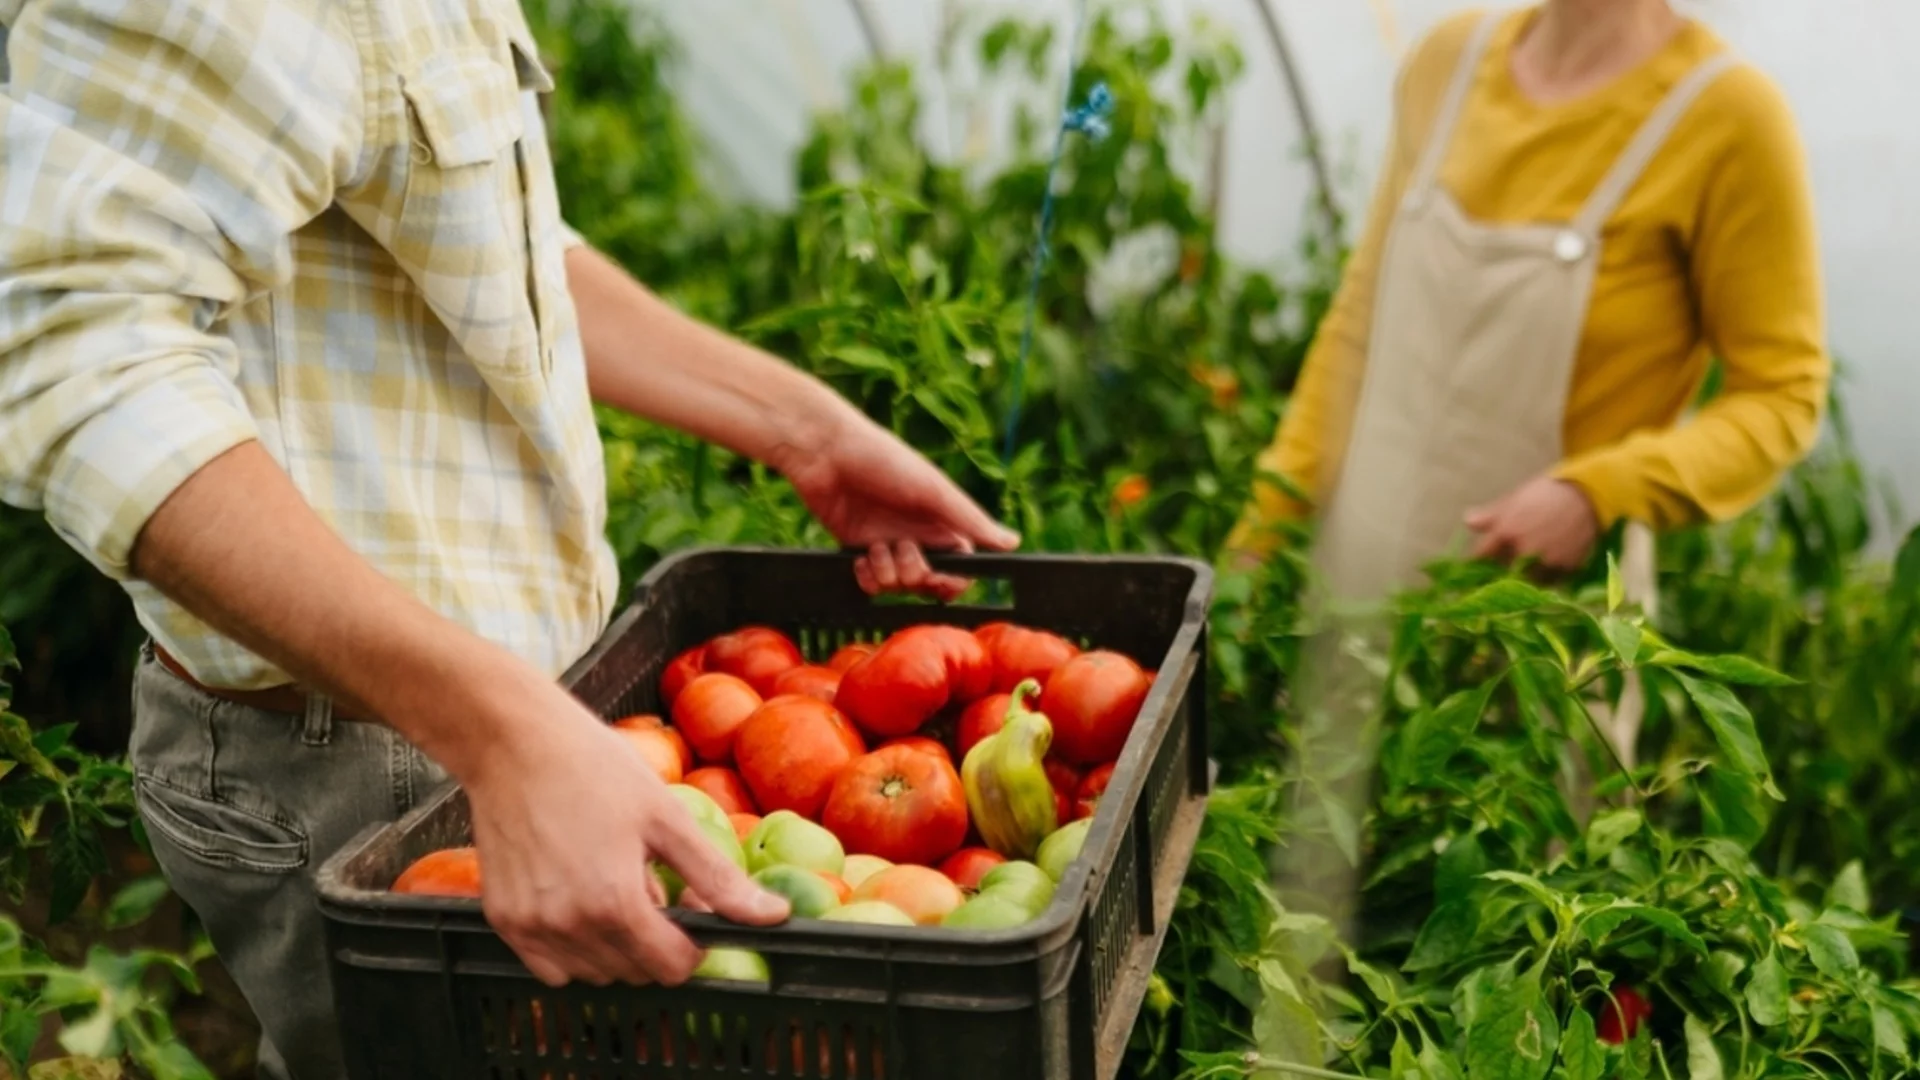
(280, 699)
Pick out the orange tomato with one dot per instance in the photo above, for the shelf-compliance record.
(709, 713)
(1131, 492)
(926, 895)
(758, 654)
(661, 748)
(809, 681)
(725, 787)
(968, 865)
(743, 825)
(840, 888)
(849, 655)
(682, 670)
(453, 872)
(790, 752)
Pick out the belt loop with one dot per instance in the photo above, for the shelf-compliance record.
(318, 728)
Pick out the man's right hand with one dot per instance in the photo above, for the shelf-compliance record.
(567, 817)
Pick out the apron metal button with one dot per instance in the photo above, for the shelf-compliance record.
(1569, 247)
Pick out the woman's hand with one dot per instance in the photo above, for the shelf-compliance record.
(1547, 520)
(871, 490)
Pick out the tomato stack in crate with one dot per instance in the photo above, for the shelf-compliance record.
(980, 815)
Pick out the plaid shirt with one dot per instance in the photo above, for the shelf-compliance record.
(328, 225)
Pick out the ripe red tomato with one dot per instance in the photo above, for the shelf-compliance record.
(848, 655)
(808, 680)
(968, 865)
(901, 804)
(757, 654)
(927, 896)
(682, 670)
(709, 713)
(1618, 1022)
(1087, 798)
(724, 787)
(911, 677)
(1062, 806)
(790, 752)
(921, 743)
(454, 872)
(1019, 653)
(1093, 701)
(660, 747)
(1064, 777)
(981, 719)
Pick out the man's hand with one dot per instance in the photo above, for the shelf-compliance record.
(566, 819)
(1547, 520)
(868, 488)
(871, 490)
(565, 814)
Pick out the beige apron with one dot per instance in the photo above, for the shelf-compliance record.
(1475, 331)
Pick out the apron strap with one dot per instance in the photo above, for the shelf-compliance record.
(1441, 137)
(1646, 143)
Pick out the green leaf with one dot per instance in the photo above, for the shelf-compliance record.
(135, 902)
(19, 1030)
(1703, 1058)
(863, 358)
(1616, 589)
(1624, 636)
(1606, 831)
(1767, 995)
(1906, 569)
(1832, 951)
(1285, 1027)
(1580, 1051)
(1509, 596)
(1402, 1064)
(1434, 735)
(1604, 921)
(76, 858)
(1456, 873)
(1445, 936)
(1516, 1036)
(1530, 884)
(92, 1036)
(1735, 669)
(1888, 1035)
(1731, 807)
(1733, 729)
(1849, 889)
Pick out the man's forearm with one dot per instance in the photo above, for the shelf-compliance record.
(645, 358)
(239, 547)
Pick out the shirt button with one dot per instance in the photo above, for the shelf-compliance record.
(1569, 247)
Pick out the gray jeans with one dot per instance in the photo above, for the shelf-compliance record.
(242, 806)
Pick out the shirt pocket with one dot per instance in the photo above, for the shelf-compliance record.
(462, 233)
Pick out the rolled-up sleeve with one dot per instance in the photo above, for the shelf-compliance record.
(154, 161)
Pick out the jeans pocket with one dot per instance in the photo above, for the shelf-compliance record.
(219, 833)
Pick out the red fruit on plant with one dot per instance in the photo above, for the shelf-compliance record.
(912, 676)
(981, 719)
(790, 752)
(899, 803)
(849, 655)
(682, 670)
(1087, 798)
(1093, 701)
(757, 654)
(921, 743)
(1622, 1016)
(724, 787)
(1019, 653)
(809, 681)
(709, 713)
(968, 865)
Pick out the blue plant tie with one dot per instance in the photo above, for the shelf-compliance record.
(1090, 120)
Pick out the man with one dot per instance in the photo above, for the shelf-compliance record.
(294, 343)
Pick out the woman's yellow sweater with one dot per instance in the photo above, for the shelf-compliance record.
(1713, 253)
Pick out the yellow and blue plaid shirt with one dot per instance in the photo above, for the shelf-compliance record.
(328, 225)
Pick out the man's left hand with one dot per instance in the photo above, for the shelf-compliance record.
(871, 490)
(1547, 520)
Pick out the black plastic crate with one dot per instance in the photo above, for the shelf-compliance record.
(426, 990)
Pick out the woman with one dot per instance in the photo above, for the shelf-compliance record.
(1583, 203)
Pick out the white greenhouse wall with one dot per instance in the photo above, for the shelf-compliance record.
(755, 68)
